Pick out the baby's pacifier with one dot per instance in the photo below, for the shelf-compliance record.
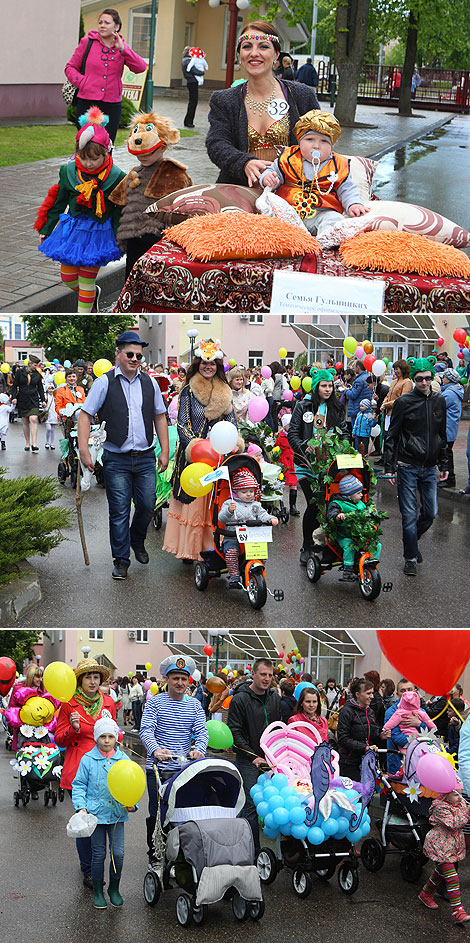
(316, 157)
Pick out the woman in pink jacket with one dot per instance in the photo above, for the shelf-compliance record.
(308, 709)
(106, 55)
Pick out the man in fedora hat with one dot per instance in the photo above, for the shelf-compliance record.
(170, 723)
(131, 404)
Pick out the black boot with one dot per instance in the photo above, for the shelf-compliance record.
(292, 504)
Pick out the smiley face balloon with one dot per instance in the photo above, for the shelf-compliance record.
(37, 711)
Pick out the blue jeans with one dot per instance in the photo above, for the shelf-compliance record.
(129, 477)
(409, 482)
(115, 835)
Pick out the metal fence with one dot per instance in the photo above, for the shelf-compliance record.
(438, 89)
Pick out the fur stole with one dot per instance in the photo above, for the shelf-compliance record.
(214, 395)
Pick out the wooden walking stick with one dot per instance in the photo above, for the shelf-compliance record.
(79, 495)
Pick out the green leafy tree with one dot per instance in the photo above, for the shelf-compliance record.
(19, 645)
(68, 336)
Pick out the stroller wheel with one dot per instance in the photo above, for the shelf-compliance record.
(411, 867)
(157, 518)
(62, 472)
(313, 568)
(301, 882)
(200, 914)
(73, 473)
(54, 798)
(16, 799)
(184, 911)
(46, 797)
(266, 865)
(61, 794)
(152, 888)
(25, 800)
(372, 854)
(348, 878)
(326, 873)
(283, 514)
(371, 585)
(257, 590)
(256, 909)
(201, 576)
(240, 908)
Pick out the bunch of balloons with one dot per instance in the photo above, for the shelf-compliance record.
(206, 454)
(283, 810)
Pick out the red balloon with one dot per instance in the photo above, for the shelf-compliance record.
(440, 341)
(281, 654)
(459, 335)
(433, 659)
(460, 355)
(369, 359)
(202, 451)
(339, 366)
(7, 675)
(174, 366)
(208, 650)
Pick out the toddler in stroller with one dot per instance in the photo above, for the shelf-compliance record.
(200, 841)
(38, 760)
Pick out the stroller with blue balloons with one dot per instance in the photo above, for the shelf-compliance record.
(201, 847)
(315, 816)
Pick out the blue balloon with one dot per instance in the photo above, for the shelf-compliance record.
(315, 835)
(269, 791)
(299, 831)
(330, 827)
(301, 687)
(365, 829)
(279, 780)
(271, 832)
(343, 826)
(269, 821)
(335, 811)
(262, 809)
(297, 816)
(275, 802)
(254, 791)
(292, 801)
(67, 364)
(288, 791)
(262, 779)
(281, 816)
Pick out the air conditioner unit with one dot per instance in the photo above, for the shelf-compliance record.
(131, 634)
(244, 317)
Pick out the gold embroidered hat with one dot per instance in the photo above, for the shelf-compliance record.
(321, 122)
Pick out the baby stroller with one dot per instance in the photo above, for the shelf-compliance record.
(323, 558)
(39, 766)
(272, 495)
(68, 465)
(163, 489)
(202, 846)
(252, 571)
(404, 826)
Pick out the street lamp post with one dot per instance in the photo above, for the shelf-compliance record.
(218, 635)
(149, 82)
(192, 334)
(233, 6)
(86, 650)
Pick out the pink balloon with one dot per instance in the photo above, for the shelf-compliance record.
(359, 352)
(436, 773)
(258, 408)
(147, 685)
(266, 372)
(288, 394)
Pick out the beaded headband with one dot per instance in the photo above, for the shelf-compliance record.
(272, 39)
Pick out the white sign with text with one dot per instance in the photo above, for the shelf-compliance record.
(300, 291)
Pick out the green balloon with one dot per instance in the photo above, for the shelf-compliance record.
(386, 361)
(220, 735)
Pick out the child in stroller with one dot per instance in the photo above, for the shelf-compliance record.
(200, 841)
(38, 760)
(242, 506)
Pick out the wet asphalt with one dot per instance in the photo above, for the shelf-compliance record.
(43, 898)
(163, 594)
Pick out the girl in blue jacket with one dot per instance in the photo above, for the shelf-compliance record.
(90, 793)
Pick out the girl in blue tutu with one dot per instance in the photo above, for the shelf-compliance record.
(77, 223)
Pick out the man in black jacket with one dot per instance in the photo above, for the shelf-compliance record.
(415, 444)
(252, 708)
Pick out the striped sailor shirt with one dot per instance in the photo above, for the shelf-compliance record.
(173, 725)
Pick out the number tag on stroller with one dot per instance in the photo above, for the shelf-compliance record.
(254, 534)
(256, 551)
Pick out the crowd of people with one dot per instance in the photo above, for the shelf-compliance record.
(170, 715)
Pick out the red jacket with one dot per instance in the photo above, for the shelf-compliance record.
(287, 458)
(76, 744)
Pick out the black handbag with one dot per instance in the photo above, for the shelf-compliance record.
(69, 90)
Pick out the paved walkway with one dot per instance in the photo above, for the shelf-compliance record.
(28, 280)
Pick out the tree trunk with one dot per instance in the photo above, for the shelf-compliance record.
(404, 107)
(350, 41)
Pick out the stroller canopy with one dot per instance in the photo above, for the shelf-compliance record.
(204, 789)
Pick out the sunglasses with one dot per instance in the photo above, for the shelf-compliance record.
(423, 379)
(131, 356)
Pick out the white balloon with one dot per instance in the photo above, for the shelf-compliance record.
(223, 437)
(196, 675)
(378, 368)
(374, 431)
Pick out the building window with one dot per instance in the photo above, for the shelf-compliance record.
(188, 34)
(169, 638)
(17, 332)
(96, 635)
(142, 635)
(255, 358)
(287, 318)
(256, 318)
(289, 361)
(202, 317)
(139, 29)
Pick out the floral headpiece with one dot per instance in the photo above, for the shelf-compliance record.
(259, 36)
(209, 350)
(327, 376)
(417, 365)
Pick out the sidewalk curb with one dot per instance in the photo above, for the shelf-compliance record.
(17, 597)
(56, 301)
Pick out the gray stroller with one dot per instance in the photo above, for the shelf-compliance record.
(201, 847)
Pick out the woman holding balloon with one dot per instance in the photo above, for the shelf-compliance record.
(205, 402)
(75, 724)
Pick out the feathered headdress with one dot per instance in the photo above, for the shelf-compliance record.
(92, 128)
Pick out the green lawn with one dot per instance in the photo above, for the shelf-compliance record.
(29, 143)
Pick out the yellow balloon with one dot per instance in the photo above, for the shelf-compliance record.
(295, 383)
(154, 688)
(59, 377)
(307, 384)
(101, 366)
(126, 782)
(60, 681)
(225, 671)
(5, 368)
(190, 479)
(37, 711)
(235, 673)
(280, 667)
(148, 665)
(282, 353)
(349, 346)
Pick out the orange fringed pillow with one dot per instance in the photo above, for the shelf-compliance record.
(219, 236)
(404, 252)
